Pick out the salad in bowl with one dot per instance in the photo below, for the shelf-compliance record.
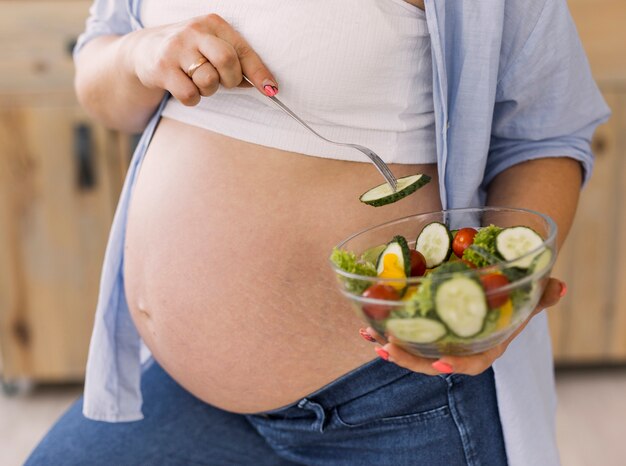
(452, 282)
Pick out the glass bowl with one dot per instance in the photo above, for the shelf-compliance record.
(508, 306)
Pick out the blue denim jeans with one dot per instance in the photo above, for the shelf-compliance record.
(378, 414)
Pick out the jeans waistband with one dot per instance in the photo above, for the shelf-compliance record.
(364, 379)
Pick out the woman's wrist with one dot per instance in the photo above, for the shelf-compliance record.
(140, 101)
(131, 49)
(108, 87)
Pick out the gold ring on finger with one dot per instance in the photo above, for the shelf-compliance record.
(197, 64)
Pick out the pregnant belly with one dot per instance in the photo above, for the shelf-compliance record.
(226, 269)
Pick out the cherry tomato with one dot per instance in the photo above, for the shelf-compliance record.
(491, 283)
(384, 292)
(418, 264)
(463, 240)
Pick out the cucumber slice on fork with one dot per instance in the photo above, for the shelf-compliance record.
(384, 194)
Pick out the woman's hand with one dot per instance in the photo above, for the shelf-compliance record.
(192, 58)
(470, 365)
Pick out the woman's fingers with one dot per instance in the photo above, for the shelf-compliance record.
(471, 365)
(395, 354)
(182, 88)
(555, 290)
(251, 64)
(171, 58)
(224, 60)
(207, 79)
(375, 337)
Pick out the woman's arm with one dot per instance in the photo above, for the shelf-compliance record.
(547, 107)
(108, 88)
(121, 79)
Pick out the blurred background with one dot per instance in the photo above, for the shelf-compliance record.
(61, 174)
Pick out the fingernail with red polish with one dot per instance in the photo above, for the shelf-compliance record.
(442, 367)
(563, 289)
(366, 335)
(270, 90)
(382, 353)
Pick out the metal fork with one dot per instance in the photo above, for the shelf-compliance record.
(380, 165)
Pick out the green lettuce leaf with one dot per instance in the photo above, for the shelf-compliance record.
(348, 262)
(485, 239)
(421, 302)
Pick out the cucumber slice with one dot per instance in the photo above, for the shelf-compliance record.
(461, 304)
(383, 194)
(416, 330)
(514, 242)
(400, 248)
(434, 242)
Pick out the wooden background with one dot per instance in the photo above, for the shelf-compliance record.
(589, 326)
(53, 224)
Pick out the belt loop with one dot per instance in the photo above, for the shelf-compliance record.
(319, 411)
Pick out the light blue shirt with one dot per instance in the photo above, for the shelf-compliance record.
(511, 84)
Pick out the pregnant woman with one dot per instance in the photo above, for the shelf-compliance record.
(220, 337)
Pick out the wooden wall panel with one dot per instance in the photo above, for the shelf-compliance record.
(36, 38)
(56, 237)
(617, 319)
(600, 24)
(587, 263)
(589, 326)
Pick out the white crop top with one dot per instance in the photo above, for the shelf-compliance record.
(357, 71)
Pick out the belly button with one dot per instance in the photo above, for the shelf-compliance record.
(143, 311)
